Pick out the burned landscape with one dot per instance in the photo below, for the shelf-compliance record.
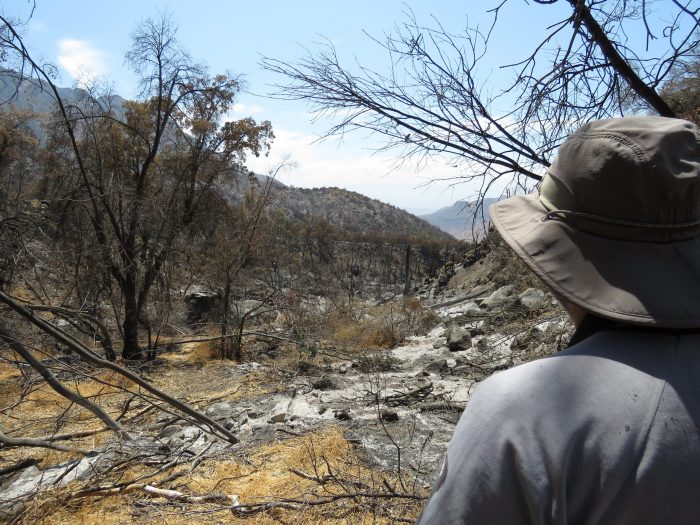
(184, 339)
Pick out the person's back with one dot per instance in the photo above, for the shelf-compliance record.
(608, 430)
(603, 432)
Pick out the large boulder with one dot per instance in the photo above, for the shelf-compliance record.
(504, 296)
(220, 410)
(249, 306)
(533, 299)
(202, 305)
(457, 339)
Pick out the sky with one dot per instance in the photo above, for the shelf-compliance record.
(88, 40)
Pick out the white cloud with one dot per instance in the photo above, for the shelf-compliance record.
(81, 60)
(244, 109)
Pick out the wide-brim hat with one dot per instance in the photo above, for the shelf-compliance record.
(615, 226)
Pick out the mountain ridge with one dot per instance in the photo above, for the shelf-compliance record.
(346, 210)
(460, 220)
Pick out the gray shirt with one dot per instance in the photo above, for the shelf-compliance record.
(605, 432)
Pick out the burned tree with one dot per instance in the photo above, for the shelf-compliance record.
(430, 100)
(135, 175)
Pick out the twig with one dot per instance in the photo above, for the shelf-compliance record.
(150, 490)
(89, 356)
(8, 441)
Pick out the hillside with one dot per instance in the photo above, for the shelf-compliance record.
(459, 219)
(308, 421)
(354, 213)
(345, 210)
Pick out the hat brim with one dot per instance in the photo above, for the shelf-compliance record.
(654, 284)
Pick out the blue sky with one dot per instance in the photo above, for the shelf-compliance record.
(89, 39)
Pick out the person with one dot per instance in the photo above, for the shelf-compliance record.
(606, 431)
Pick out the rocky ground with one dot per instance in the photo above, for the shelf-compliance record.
(396, 408)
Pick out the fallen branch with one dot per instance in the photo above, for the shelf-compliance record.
(25, 463)
(299, 504)
(8, 441)
(427, 407)
(91, 357)
(231, 336)
(155, 492)
(412, 396)
(56, 385)
(73, 435)
(312, 477)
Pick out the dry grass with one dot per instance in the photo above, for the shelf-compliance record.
(7, 369)
(199, 352)
(356, 326)
(265, 476)
(201, 383)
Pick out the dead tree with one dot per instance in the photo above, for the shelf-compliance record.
(431, 99)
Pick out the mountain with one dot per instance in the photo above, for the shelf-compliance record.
(460, 220)
(346, 210)
(34, 95)
(353, 212)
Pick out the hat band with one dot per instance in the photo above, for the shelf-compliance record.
(625, 230)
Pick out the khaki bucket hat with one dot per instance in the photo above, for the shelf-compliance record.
(615, 227)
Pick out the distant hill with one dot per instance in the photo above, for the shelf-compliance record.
(459, 219)
(35, 96)
(353, 212)
(346, 210)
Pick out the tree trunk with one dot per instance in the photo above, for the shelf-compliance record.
(131, 349)
(238, 340)
(407, 283)
(224, 318)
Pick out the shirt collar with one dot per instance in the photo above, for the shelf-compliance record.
(592, 324)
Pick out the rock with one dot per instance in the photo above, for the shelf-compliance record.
(501, 297)
(32, 480)
(476, 331)
(246, 306)
(481, 289)
(435, 366)
(252, 414)
(220, 410)
(188, 434)
(532, 299)
(324, 383)
(343, 368)
(470, 309)
(279, 418)
(457, 339)
(169, 431)
(342, 415)
(202, 305)
(437, 345)
(166, 418)
(389, 415)
(230, 424)
(174, 443)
